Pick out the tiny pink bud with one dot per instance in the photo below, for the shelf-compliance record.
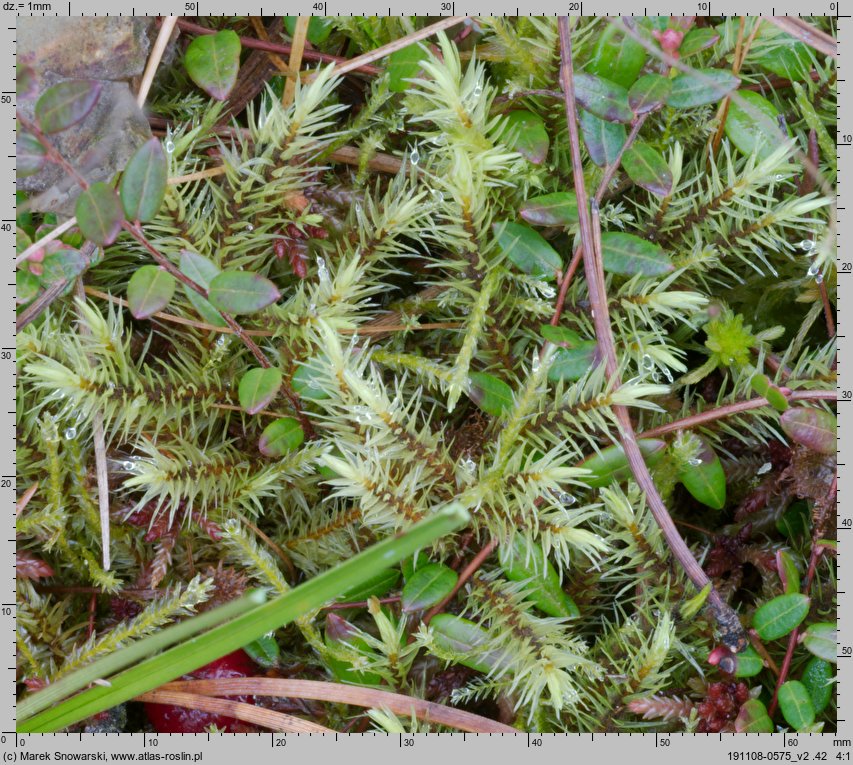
(670, 40)
(718, 654)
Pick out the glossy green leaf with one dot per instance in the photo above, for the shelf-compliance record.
(573, 363)
(490, 393)
(557, 209)
(427, 586)
(213, 61)
(65, 104)
(628, 254)
(281, 436)
(525, 132)
(647, 168)
(700, 87)
(649, 93)
(527, 249)
(821, 639)
(99, 213)
(306, 383)
(258, 387)
(789, 574)
(748, 663)
(562, 336)
(611, 464)
(706, 481)
(149, 290)
(63, 265)
(697, 39)
(818, 679)
(788, 57)
(404, 65)
(796, 704)
(241, 292)
(764, 386)
(779, 616)
(603, 140)
(523, 563)
(465, 640)
(27, 286)
(374, 587)
(617, 56)
(29, 155)
(814, 428)
(754, 126)
(143, 184)
(264, 651)
(603, 98)
(319, 28)
(201, 271)
(753, 718)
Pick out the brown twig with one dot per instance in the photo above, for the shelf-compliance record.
(300, 33)
(344, 694)
(732, 632)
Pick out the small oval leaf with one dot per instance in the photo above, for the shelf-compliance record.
(149, 290)
(202, 271)
(603, 140)
(143, 184)
(29, 155)
(706, 481)
(697, 40)
(821, 639)
(213, 61)
(753, 718)
(649, 93)
(603, 98)
(700, 87)
(788, 572)
(465, 640)
(796, 705)
(571, 364)
(617, 57)
(748, 663)
(63, 265)
(258, 387)
(764, 386)
(99, 213)
(753, 127)
(527, 249)
(525, 132)
(611, 464)
(241, 292)
(818, 680)
(489, 393)
(787, 57)
(814, 428)
(647, 168)
(779, 616)
(27, 286)
(629, 255)
(427, 586)
(65, 104)
(281, 436)
(523, 563)
(557, 209)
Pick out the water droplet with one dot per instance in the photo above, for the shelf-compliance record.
(765, 468)
(655, 376)
(415, 156)
(694, 461)
(667, 374)
(468, 465)
(806, 244)
(819, 278)
(322, 271)
(127, 465)
(70, 433)
(648, 363)
(110, 385)
(566, 499)
(548, 291)
(779, 177)
(813, 269)
(250, 227)
(536, 363)
(437, 195)
(362, 414)
(315, 384)
(170, 146)
(478, 91)
(221, 340)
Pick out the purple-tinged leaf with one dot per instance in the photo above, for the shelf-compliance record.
(697, 40)
(258, 387)
(26, 84)
(603, 140)
(628, 254)
(149, 290)
(649, 93)
(490, 393)
(241, 292)
(611, 464)
(603, 98)
(700, 87)
(99, 213)
(753, 718)
(525, 133)
(213, 61)
(557, 209)
(281, 436)
(143, 184)
(29, 155)
(65, 104)
(527, 249)
(647, 168)
(63, 265)
(814, 428)
(789, 575)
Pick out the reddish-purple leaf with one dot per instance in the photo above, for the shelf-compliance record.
(65, 104)
(603, 98)
(27, 566)
(29, 155)
(647, 168)
(811, 427)
(649, 93)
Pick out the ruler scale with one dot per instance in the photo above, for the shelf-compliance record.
(420, 748)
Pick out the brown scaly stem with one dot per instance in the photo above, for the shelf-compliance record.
(732, 633)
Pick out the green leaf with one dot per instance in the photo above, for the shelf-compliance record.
(428, 585)
(697, 40)
(465, 640)
(779, 616)
(603, 140)
(796, 704)
(788, 57)
(706, 481)
(748, 663)
(814, 428)
(29, 155)
(647, 168)
(817, 678)
(27, 286)
(281, 436)
(573, 363)
(403, 65)
(525, 133)
(527, 249)
(700, 87)
(237, 632)
(603, 98)
(63, 265)
(306, 383)
(557, 209)
(611, 464)
(264, 651)
(489, 393)
(527, 563)
(202, 271)
(649, 93)
(753, 718)
(241, 292)
(821, 639)
(339, 632)
(149, 290)
(763, 386)
(692, 606)
(99, 213)
(65, 104)
(26, 84)
(143, 184)
(788, 572)
(629, 254)
(258, 387)
(213, 61)
(753, 127)
(374, 586)
(319, 28)
(617, 57)
(562, 336)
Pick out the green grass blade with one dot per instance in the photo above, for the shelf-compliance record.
(115, 662)
(225, 638)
